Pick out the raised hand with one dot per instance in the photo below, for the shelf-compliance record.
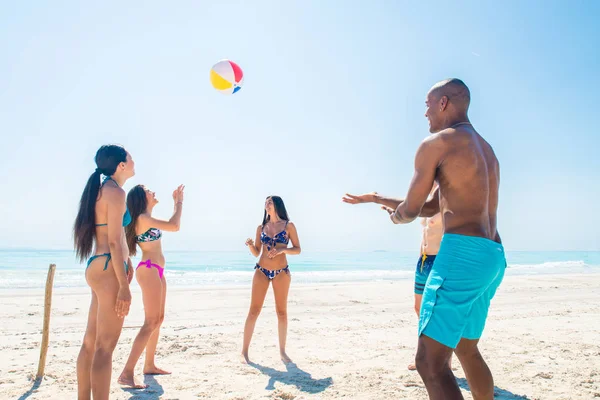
(359, 199)
(178, 194)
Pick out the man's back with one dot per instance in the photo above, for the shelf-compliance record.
(468, 176)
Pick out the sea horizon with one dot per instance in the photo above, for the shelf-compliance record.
(27, 268)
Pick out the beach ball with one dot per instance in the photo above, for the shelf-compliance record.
(227, 77)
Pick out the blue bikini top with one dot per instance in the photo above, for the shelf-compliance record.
(281, 237)
(127, 215)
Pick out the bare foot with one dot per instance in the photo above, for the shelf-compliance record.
(129, 381)
(244, 358)
(155, 371)
(285, 358)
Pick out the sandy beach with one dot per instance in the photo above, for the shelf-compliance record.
(349, 341)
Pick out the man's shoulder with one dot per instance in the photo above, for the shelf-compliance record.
(438, 140)
(451, 137)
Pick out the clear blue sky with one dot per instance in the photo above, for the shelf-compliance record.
(333, 101)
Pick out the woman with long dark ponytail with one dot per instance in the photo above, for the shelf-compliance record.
(272, 239)
(146, 231)
(99, 230)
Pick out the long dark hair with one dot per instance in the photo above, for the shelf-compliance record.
(137, 203)
(107, 160)
(279, 209)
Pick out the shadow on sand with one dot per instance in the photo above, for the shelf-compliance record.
(294, 376)
(500, 394)
(34, 387)
(153, 391)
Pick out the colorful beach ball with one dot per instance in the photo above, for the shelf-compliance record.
(227, 77)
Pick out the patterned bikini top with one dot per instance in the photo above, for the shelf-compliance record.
(150, 235)
(281, 237)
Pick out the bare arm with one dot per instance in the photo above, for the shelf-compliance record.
(294, 250)
(116, 235)
(372, 197)
(431, 206)
(293, 234)
(170, 225)
(255, 246)
(426, 163)
(173, 223)
(129, 270)
(391, 202)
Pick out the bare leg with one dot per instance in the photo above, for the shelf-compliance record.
(260, 284)
(108, 329)
(150, 367)
(476, 370)
(281, 288)
(418, 298)
(86, 354)
(151, 286)
(432, 364)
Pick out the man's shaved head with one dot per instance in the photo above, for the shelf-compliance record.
(447, 103)
(455, 90)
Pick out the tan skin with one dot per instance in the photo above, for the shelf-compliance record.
(272, 260)
(154, 289)
(468, 173)
(432, 235)
(111, 297)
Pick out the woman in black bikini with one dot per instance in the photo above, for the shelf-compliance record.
(272, 239)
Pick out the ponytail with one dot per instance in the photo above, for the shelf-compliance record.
(107, 159)
(84, 229)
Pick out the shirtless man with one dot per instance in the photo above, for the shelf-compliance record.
(430, 242)
(470, 263)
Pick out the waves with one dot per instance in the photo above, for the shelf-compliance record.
(27, 270)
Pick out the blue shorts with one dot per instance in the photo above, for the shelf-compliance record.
(462, 282)
(422, 272)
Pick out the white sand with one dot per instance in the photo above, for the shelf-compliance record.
(349, 341)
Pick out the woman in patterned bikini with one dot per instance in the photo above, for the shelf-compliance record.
(145, 231)
(272, 239)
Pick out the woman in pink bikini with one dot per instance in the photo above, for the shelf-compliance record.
(145, 232)
(271, 244)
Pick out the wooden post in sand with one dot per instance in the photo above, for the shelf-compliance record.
(46, 330)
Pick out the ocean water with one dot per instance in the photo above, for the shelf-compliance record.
(27, 269)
